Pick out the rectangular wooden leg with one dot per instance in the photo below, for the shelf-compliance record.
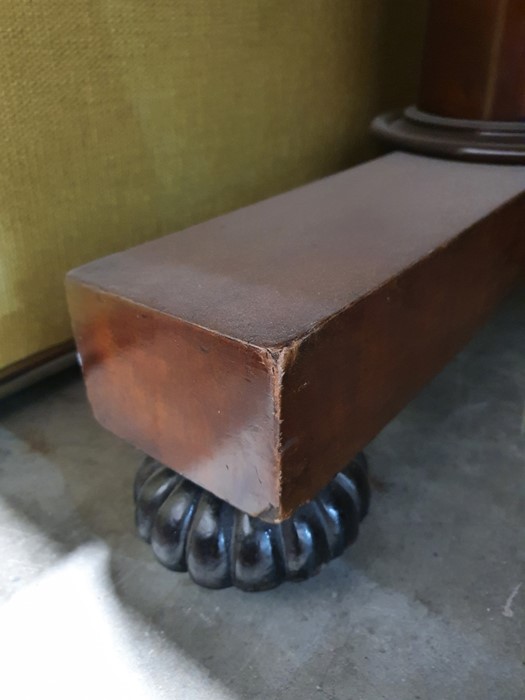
(258, 352)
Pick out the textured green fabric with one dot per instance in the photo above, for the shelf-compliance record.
(121, 120)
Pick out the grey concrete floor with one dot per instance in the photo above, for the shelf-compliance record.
(430, 603)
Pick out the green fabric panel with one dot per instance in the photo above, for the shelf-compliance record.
(121, 120)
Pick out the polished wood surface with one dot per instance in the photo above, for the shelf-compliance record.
(474, 60)
(258, 352)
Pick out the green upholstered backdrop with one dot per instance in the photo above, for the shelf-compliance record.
(121, 120)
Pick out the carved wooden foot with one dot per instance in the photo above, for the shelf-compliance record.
(192, 530)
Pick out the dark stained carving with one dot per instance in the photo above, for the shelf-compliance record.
(192, 530)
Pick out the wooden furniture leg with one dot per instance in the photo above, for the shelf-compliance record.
(471, 102)
(253, 355)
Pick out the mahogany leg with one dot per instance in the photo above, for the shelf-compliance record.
(192, 530)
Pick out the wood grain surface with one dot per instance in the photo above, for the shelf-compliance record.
(256, 353)
(474, 60)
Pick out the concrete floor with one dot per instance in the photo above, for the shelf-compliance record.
(429, 604)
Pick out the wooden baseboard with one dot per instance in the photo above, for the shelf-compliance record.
(36, 367)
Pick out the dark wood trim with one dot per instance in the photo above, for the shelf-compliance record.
(40, 365)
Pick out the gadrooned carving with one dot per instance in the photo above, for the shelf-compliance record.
(192, 530)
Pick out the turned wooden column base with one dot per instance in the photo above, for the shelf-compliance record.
(463, 139)
(192, 530)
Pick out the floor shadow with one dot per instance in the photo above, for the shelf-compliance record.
(59, 469)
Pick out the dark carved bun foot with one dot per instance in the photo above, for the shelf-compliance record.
(192, 530)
